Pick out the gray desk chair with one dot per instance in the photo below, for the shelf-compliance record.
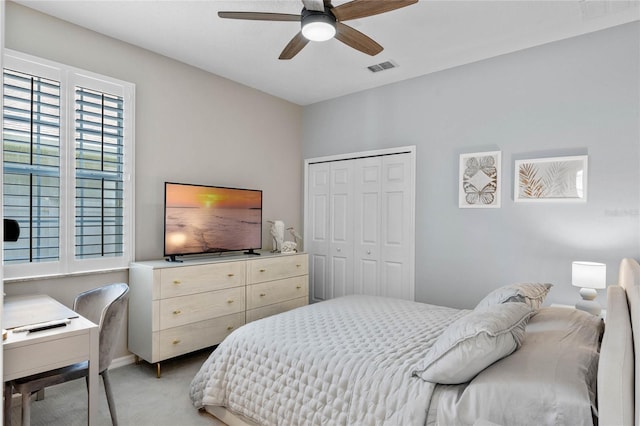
(105, 306)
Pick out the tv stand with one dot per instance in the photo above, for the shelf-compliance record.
(252, 252)
(172, 258)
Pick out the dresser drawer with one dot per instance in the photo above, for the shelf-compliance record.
(256, 314)
(181, 281)
(183, 310)
(271, 292)
(275, 268)
(188, 338)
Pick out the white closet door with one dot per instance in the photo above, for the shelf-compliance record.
(397, 229)
(317, 238)
(360, 221)
(341, 225)
(367, 199)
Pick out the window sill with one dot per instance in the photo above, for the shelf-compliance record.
(68, 275)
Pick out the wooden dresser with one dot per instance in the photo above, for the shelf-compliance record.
(177, 308)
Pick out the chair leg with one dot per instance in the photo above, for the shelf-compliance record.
(8, 393)
(26, 409)
(110, 401)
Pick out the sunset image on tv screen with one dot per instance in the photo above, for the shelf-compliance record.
(205, 219)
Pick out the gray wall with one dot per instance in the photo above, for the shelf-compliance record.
(191, 126)
(577, 96)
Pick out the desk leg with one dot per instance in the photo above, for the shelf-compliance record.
(93, 376)
(8, 397)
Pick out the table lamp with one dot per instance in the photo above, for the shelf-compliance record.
(589, 276)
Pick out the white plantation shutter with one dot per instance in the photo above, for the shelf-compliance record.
(67, 168)
(99, 174)
(31, 181)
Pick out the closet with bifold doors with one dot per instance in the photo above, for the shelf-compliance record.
(360, 224)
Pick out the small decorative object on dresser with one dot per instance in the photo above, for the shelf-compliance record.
(297, 238)
(480, 180)
(277, 233)
(289, 247)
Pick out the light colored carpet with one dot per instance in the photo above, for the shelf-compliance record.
(141, 398)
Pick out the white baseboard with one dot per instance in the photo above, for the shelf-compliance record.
(122, 361)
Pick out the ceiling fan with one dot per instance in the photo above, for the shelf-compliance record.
(321, 21)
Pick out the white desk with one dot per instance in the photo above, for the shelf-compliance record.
(30, 353)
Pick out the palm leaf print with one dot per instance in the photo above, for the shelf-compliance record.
(557, 180)
(531, 186)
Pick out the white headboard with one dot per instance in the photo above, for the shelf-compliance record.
(618, 403)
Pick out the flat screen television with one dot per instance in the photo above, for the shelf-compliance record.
(210, 219)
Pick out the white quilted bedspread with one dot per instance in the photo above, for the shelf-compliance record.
(347, 361)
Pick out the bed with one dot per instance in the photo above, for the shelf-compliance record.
(375, 361)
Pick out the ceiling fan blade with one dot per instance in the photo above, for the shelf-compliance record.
(294, 47)
(357, 9)
(317, 5)
(259, 16)
(357, 40)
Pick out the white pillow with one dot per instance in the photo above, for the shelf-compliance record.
(532, 294)
(475, 341)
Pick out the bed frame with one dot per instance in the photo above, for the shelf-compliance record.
(618, 403)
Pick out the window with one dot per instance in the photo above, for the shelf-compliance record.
(67, 168)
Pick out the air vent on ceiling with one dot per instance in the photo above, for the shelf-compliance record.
(382, 66)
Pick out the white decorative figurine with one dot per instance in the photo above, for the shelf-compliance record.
(297, 238)
(277, 233)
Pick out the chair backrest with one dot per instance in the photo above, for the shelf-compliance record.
(105, 306)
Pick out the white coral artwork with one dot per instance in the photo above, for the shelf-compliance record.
(551, 179)
(289, 247)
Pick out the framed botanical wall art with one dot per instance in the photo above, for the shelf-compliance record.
(551, 179)
(480, 180)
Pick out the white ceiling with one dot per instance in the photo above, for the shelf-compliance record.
(422, 38)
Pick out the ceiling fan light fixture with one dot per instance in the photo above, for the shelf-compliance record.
(318, 26)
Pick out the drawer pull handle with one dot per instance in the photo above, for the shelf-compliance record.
(175, 342)
(230, 301)
(176, 281)
(298, 265)
(177, 312)
(262, 270)
(298, 287)
(230, 275)
(263, 294)
(230, 328)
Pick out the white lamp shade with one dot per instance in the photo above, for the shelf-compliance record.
(589, 274)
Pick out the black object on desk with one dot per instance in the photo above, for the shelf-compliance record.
(47, 327)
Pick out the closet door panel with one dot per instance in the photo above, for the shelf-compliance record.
(367, 228)
(317, 244)
(341, 229)
(397, 237)
(393, 274)
(318, 276)
(369, 281)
